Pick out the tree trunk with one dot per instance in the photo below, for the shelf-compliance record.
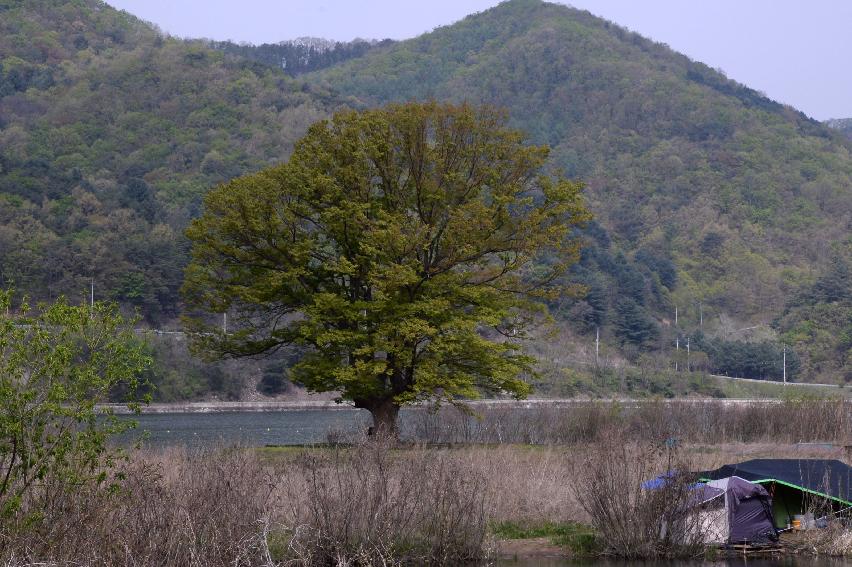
(385, 413)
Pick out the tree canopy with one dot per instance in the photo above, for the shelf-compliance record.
(397, 246)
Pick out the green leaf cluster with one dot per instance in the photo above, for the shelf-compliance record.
(56, 363)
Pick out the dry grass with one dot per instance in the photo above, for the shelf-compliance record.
(372, 503)
(639, 523)
(365, 505)
(369, 505)
(172, 508)
(790, 421)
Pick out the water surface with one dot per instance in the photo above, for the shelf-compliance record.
(255, 429)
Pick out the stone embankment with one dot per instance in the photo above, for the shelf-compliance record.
(262, 406)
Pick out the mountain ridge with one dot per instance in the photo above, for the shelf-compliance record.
(112, 134)
(710, 197)
(752, 198)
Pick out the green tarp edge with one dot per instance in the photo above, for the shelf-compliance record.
(791, 485)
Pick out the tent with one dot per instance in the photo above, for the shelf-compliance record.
(734, 510)
(796, 485)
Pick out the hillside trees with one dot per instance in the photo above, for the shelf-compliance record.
(396, 245)
(734, 196)
(110, 135)
(299, 56)
(818, 322)
(758, 360)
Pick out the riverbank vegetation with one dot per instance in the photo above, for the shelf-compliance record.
(551, 477)
(70, 497)
(357, 505)
(56, 362)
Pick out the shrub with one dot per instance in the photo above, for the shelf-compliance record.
(632, 520)
(55, 364)
(366, 506)
(209, 508)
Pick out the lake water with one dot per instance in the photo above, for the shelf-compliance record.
(313, 426)
(532, 425)
(255, 429)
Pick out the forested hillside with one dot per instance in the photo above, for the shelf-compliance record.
(842, 124)
(709, 197)
(299, 56)
(110, 136)
(727, 202)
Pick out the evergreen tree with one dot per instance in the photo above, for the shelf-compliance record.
(633, 324)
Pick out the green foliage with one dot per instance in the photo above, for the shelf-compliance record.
(175, 375)
(579, 538)
(686, 168)
(55, 364)
(633, 324)
(300, 56)
(818, 322)
(758, 360)
(276, 374)
(608, 277)
(387, 246)
(643, 383)
(274, 380)
(111, 134)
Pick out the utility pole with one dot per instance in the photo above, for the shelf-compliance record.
(597, 345)
(700, 315)
(224, 323)
(687, 354)
(784, 364)
(677, 351)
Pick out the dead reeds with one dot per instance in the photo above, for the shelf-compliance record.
(170, 508)
(362, 505)
(635, 517)
(376, 503)
(371, 506)
(692, 421)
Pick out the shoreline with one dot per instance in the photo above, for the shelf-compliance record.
(301, 405)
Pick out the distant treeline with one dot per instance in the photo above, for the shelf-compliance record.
(759, 360)
(297, 57)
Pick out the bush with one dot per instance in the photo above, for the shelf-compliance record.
(365, 506)
(631, 520)
(173, 508)
(55, 365)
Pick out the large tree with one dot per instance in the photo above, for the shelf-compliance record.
(403, 248)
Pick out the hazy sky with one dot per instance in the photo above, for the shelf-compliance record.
(796, 51)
